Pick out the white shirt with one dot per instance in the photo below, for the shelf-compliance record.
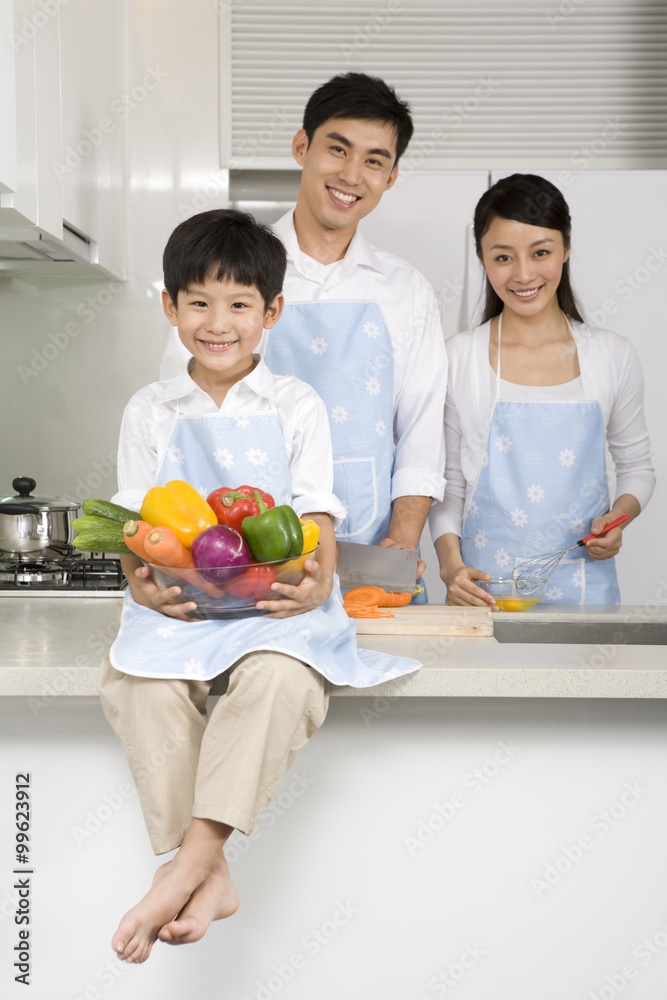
(613, 365)
(410, 311)
(151, 414)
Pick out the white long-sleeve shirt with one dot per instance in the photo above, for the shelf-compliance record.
(410, 311)
(151, 414)
(613, 364)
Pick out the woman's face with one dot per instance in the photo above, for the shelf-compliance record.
(524, 264)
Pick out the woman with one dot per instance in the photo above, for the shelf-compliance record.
(538, 404)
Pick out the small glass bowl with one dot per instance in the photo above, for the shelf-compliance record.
(235, 598)
(510, 596)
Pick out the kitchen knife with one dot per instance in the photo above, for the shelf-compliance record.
(376, 566)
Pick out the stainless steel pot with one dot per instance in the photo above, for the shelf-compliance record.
(34, 528)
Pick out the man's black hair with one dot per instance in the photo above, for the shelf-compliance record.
(357, 95)
(223, 245)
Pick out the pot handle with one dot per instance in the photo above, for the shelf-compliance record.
(18, 508)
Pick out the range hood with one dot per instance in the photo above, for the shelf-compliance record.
(26, 245)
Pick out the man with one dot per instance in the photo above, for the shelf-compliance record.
(360, 325)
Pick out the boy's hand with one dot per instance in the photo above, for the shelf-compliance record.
(314, 590)
(147, 593)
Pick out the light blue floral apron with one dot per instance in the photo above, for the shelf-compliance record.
(214, 451)
(542, 482)
(344, 350)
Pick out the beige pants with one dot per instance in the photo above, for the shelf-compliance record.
(227, 767)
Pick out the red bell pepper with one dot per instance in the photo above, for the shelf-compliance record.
(231, 505)
(254, 584)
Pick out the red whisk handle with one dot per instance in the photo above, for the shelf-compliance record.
(607, 527)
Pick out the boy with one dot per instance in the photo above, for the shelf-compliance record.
(224, 417)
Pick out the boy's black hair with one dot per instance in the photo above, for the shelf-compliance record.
(221, 245)
(357, 95)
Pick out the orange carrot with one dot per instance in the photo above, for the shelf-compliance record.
(370, 596)
(134, 533)
(365, 611)
(164, 548)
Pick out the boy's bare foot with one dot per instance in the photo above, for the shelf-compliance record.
(214, 899)
(173, 885)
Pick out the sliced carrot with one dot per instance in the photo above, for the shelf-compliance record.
(164, 548)
(370, 596)
(134, 533)
(365, 611)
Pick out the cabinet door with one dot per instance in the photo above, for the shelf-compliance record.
(8, 103)
(94, 135)
(32, 189)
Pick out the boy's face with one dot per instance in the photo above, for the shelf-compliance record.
(221, 324)
(347, 167)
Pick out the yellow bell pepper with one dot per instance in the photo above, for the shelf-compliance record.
(311, 535)
(178, 506)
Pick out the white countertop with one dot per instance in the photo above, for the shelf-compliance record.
(52, 646)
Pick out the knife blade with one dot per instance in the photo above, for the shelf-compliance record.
(376, 566)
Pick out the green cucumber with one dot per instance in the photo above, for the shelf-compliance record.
(101, 540)
(93, 523)
(112, 511)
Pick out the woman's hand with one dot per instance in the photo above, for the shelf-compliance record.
(146, 592)
(606, 546)
(462, 589)
(459, 578)
(314, 590)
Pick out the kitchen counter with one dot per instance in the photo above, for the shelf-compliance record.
(52, 646)
(527, 780)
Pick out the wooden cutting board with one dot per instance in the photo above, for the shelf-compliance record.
(429, 619)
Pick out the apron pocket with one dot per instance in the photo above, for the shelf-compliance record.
(355, 485)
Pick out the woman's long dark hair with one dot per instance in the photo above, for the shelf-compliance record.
(535, 201)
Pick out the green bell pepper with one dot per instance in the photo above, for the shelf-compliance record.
(273, 533)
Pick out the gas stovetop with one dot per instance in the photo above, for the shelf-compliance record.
(75, 576)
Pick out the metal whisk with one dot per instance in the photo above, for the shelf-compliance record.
(529, 572)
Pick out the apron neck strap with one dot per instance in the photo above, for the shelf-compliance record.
(500, 326)
(584, 367)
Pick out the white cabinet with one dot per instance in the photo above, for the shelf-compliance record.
(63, 155)
(31, 122)
(94, 125)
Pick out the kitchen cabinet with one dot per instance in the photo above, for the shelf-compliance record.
(95, 112)
(31, 123)
(63, 161)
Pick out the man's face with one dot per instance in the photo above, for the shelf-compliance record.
(347, 167)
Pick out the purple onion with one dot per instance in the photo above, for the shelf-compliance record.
(220, 553)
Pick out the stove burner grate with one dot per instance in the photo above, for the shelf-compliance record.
(71, 573)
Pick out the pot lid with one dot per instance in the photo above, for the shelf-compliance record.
(24, 487)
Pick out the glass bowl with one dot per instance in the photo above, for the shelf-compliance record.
(510, 596)
(237, 597)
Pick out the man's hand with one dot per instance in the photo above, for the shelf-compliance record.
(391, 543)
(408, 517)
